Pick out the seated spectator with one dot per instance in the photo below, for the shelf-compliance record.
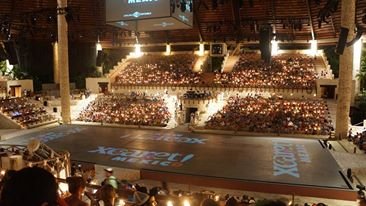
(209, 202)
(76, 188)
(107, 194)
(270, 203)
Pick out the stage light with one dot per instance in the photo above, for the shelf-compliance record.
(120, 202)
(313, 47)
(169, 203)
(357, 50)
(201, 51)
(99, 46)
(217, 198)
(2, 173)
(137, 52)
(168, 49)
(275, 48)
(186, 203)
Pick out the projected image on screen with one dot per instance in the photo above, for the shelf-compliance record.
(183, 11)
(117, 10)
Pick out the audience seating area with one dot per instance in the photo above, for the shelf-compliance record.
(272, 115)
(285, 71)
(25, 113)
(128, 110)
(174, 70)
(290, 71)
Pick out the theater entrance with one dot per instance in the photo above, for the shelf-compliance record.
(189, 111)
(328, 91)
(103, 87)
(15, 91)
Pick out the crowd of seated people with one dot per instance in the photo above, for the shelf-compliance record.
(197, 95)
(127, 109)
(272, 115)
(24, 112)
(174, 70)
(284, 71)
(293, 71)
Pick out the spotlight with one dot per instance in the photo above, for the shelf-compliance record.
(169, 203)
(33, 20)
(186, 203)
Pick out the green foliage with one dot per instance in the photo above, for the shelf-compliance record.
(333, 59)
(16, 73)
(361, 104)
(362, 74)
(3, 67)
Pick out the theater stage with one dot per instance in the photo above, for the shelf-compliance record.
(263, 164)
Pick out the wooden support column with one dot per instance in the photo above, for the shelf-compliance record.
(345, 71)
(63, 63)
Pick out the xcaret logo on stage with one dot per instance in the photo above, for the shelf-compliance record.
(50, 136)
(164, 159)
(166, 137)
(286, 157)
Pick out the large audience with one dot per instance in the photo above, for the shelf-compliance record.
(284, 71)
(130, 109)
(273, 115)
(295, 71)
(174, 70)
(24, 112)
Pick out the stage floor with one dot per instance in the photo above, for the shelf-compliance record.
(255, 159)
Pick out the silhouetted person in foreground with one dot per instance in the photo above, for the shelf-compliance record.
(31, 186)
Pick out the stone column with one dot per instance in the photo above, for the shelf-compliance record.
(63, 61)
(56, 69)
(345, 71)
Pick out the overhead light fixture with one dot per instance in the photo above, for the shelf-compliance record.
(357, 50)
(201, 51)
(137, 52)
(98, 46)
(313, 47)
(168, 49)
(169, 203)
(186, 203)
(275, 48)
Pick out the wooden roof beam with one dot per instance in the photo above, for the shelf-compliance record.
(235, 8)
(310, 19)
(196, 7)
